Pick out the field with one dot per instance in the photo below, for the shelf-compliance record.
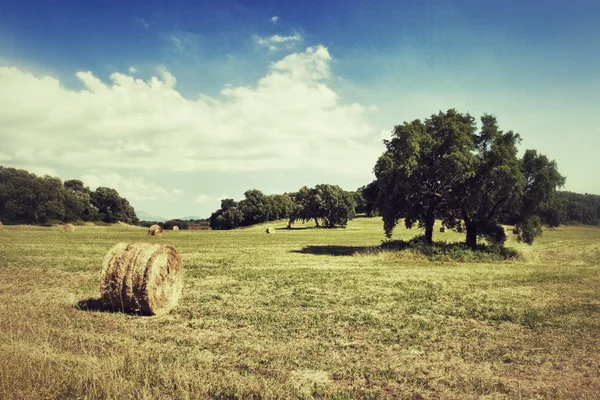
(303, 313)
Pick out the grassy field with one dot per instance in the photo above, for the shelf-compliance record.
(303, 313)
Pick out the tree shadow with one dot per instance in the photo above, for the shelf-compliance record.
(437, 251)
(332, 250)
(300, 228)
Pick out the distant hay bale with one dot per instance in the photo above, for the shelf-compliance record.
(175, 228)
(1, 225)
(270, 230)
(154, 230)
(68, 228)
(442, 229)
(141, 278)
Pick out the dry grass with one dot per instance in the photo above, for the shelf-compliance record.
(303, 314)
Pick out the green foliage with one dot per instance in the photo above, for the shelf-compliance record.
(112, 207)
(423, 164)
(572, 208)
(328, 205)
(27, 198)
(443, 169)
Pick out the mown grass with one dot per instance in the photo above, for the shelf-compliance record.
(304, 313)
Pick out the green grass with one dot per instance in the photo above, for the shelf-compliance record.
(303, 313)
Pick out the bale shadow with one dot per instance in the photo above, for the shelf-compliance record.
(97, 305)
(92, 305)
(295, 229)
(332, 250)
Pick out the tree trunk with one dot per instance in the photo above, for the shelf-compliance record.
(429, 231)
(471, 234)
(317, 222)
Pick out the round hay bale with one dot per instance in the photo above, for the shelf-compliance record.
(154, 230)
(270, 230)
(175, 228)
(142, 278)
(442, 229)
(1, 225)
(68, 228)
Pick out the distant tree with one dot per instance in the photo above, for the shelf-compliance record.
(255, 208)
(334, 205)
(370, 195)
(112, 207)
(359, 199)
(423, 164)
(305, 208)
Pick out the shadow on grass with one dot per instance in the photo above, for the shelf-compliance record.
(332, 250)
(300, 228)
(97, 305)
(92, 305)
(437, 251)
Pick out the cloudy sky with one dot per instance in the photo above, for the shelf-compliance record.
(178, 104)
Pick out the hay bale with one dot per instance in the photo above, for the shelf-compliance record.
(68, 228)
(270, 230)
(1, 225)
(154, 230)
(442, 229)
(175, 228)
(142, 278)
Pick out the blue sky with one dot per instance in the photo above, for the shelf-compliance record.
(148, 96)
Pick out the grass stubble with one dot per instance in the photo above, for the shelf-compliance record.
(305, 313)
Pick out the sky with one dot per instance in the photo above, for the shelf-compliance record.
(179, 104)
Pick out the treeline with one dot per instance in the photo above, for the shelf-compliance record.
(568, 208)
(26, 198)
(327, 205)
(183, 224)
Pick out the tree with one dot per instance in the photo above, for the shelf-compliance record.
(443, 169)
(501, 185)
(112, 207)
(423, 164)
(255, 207)
(370, 195)
(334, 206)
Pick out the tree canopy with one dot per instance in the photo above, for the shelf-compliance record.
(443, 168)
(27, 198)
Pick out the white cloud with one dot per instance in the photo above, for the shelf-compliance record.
(203, 198)
(178, 192)
(132, 70)
(133, 189)
(273, 42)
(289, 120)
(274, 19)
(144, 23)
